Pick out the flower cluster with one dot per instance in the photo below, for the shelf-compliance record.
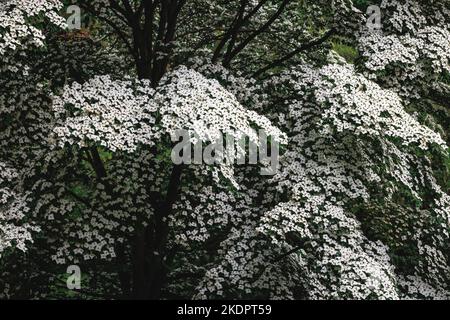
(359, 208)
(118, 115)
(16, 33)
(412, 52)
(350, 102)
(202, 106)
(328, 169)
(14, 231)
(121, 115)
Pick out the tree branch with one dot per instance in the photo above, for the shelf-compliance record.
(262, 29)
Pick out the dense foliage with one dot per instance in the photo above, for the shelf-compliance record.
(358, 208)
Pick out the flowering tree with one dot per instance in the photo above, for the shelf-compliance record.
(359, 206)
